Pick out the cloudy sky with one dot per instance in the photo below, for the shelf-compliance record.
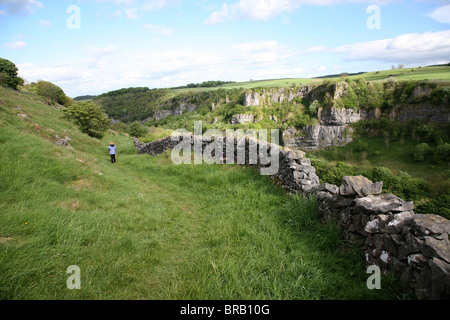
(94, 46)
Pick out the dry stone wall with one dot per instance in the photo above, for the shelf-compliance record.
(415, 247)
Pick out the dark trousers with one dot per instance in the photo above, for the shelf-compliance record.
(113, 158)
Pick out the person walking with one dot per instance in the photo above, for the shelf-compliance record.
(112, 151)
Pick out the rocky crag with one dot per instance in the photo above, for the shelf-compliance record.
(415, 247)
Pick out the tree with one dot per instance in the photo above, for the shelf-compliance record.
(90, 117)
(9, 75)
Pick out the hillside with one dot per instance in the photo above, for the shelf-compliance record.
(147, 229)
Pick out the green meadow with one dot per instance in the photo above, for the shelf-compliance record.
(147, 229)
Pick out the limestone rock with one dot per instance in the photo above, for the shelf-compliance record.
(436, 248)
(379, 204)
(331, 188)
(374, 189)
(353, 185)
(242, 118)
(400, 221)
(431, 225)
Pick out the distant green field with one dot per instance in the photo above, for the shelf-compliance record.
(438, 73)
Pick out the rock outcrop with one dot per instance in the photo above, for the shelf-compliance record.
(178, 111)
(317, 137)
(242, 118)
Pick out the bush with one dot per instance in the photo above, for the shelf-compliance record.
(421, 151)
(52, 92)
(380, 174)
(335, 174)
(443, 152)
(90, 118)
(137, 130)
(439, 205)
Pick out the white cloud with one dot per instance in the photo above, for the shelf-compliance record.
(159, 29)
(45, 23)
(17, 45)
(261, 53)
(441, 14)
(408, 48)
(316, 49)
(133, 9)
(20, 7)
(264, 9)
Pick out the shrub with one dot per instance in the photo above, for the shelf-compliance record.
(421, 151)
(52, 92)
(439, 205)
(90, 118)
(380, 174)
(335, 174)
(443, 152)
(137, 130)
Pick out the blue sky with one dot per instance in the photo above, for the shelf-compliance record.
(114, 44)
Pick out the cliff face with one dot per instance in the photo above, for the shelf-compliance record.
(178, 111)
(317, 137)
(269, 96)
(334, 122)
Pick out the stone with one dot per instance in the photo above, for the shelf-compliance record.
(402, 252)
(331, 188)
(374, 189)
(353, 185)
(379, 204)
(412, 243)
(339, 116)
(398, 239)
(400, 221)
(378, 241)
(440, 278)
(417, 260)
(62, 142)
(375, 226)
(436, 248)
(242, 118)
(430, 224)
(295, 155)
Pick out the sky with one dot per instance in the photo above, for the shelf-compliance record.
(89, 47)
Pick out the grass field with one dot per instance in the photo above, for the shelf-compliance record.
(438, 74)
(147, 229)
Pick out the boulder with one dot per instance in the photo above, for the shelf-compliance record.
(431, 225)
(436, 248)
(374, 189)
(331, 188)
(379, 204)
(400, 221)
(353, 185)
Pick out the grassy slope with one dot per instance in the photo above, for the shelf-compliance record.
(147, 229)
